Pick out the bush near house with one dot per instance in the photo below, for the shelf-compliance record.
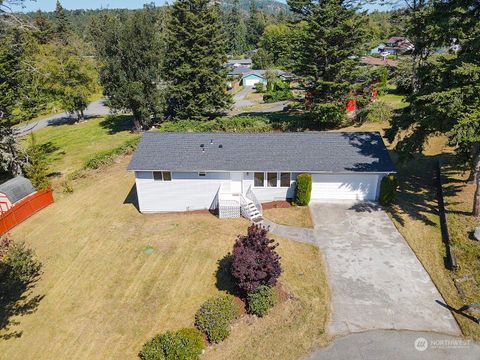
(216, 316)
(388, 188)
(229, 124)
(262, 300)
(184, 344)
(303, 189)
(259, 87)
(255, 261)
(377, 112)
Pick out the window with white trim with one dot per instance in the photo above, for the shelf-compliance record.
(272, 178)
(162, 176)
(285, 179)
(259, 179)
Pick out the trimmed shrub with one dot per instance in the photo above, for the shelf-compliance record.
(255, 261)
(215, 317)
(375, 112)
(303, 189)
(262, 300)
(388, 189)
(259, 87)
(229, 124)
(185, 344)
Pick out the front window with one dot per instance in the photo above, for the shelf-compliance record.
(162, 176)
(259, 179)
(272, 179)
(285, 179)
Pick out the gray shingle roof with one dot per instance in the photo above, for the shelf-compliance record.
(17, 188)
(296, 152)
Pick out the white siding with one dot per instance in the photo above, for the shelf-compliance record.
(186, 191)
(345, 186)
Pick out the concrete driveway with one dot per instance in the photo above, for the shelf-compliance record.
(376, 280)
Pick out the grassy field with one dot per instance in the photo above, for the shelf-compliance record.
(71, 145)
(114, 277)
(294, 216)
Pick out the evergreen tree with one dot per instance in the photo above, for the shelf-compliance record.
(446, 88)
(43, 28)
(334, 32)
(62, 25)
(255, 25)
(194, 61)
(236, 31)
(131, 50)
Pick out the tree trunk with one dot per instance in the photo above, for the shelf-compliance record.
(137, 124)
(475, 165)
(476, 197)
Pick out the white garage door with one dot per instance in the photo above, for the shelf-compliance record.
(250, 81)
(344, 187)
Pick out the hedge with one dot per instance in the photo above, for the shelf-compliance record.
(215, 317)
(303, 190)
(388, 188)
(106, 158)
(262, 300)
(185, 344)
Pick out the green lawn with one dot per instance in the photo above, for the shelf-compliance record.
(71, 145)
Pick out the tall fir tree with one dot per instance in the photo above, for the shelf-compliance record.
(236, 31)
(194, 61)
(62, 25)
(43, 28)
(255, 25)
(131, 53)
(325, 54)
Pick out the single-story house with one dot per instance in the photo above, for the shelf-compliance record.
(14, 190)
(234, 63)
(252, 77)
(239, 71)
(236, 172)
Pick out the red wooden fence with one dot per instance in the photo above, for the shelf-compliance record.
(24, 209)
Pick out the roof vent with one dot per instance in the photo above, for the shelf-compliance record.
(220, 146)
(202, 145)
(211, 141)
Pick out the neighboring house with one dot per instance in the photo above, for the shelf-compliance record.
(234, 63)
(253, 77)
(235, 172)
(239, 71)
(14, 190)
(394, 46)
(378, 49)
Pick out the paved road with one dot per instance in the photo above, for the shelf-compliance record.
(398, 345)
(240, 102)
(96, 108)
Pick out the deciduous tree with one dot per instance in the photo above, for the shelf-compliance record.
(255, 261)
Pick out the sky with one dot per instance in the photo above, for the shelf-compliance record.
(49, 5)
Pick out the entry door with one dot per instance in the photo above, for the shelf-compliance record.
(236, 182)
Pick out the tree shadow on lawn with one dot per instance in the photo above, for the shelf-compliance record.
(16, 300)
(224, 278)
(117, 123)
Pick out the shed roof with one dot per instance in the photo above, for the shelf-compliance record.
(331, 152)
(17, 188)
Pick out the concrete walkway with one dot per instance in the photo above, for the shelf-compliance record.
(376, 280)
(398, 345)
(96, 108)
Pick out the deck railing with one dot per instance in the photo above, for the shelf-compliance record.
(251, 196)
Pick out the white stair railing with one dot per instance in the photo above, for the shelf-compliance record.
(251, 196)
